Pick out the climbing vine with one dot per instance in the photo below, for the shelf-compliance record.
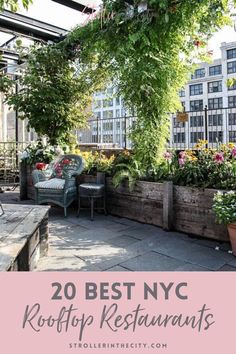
(148, 50)
(14, 4)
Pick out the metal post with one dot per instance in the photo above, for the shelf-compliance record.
(206, 125)
(125, 132)
(97, 130)
(16, 126)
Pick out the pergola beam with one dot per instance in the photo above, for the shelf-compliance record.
(76, 6)
(24, 25)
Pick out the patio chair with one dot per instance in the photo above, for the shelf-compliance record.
(57, 184)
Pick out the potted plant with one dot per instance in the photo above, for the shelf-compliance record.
(224, 207)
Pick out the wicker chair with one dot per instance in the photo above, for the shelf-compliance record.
(57, 184)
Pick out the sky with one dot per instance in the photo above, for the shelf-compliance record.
(59, 15)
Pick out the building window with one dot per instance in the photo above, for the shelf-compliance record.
(232, 136)
(107, 126)
(97, 115)
(215, 119)
(179, 138)
(177, 124)
(196, 105)
(196, 121)
(232, 101)
(215, 86)
(107, 114)
(215, 103)
(232, 87)
(232, 118)
(97, 104)
(110, 91)
(182, 93)
(231, 67)
(117, 101)
(231, 53)
(195, 136)
(198, 74)
(215, 137)
(196, 89)
(107, 103)
(215, 70)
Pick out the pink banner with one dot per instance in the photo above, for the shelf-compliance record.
(168, 313)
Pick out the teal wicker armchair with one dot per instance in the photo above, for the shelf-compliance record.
(57, 184)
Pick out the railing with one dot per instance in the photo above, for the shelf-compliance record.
(214, 125)
(108, 131)
(9, 163)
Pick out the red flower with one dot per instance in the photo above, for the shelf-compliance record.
(66, 162)
(40, 166)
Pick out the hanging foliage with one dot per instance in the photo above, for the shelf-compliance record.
(148, 50)
(14, 4)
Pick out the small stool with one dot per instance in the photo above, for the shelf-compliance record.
(92, 191)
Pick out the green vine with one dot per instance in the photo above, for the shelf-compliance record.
(148, 52)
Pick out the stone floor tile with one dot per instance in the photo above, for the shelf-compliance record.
(152, 261)
(118, 269)
(123, 241)
(227, 268)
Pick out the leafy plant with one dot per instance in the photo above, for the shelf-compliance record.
(14, 4)
(224, 207)
(130, 172)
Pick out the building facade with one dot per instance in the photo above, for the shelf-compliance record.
(209, 98)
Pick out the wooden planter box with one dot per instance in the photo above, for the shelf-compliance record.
(179, 208)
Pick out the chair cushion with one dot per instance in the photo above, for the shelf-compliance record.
(91, 189)
(54, 183)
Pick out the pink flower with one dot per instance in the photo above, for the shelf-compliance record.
(182, 154)
(181, 162)
(167, 155)
(219, 157)
(233, 152)
(40, 166)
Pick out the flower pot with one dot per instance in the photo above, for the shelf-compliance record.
(232, 236)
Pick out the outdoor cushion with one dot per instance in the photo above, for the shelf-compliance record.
(54, 183)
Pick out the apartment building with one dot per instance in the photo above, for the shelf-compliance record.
(209, 98)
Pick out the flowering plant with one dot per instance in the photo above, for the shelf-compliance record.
(40, 165)
(224, 207)
(201, 167)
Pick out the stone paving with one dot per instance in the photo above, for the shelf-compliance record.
(116, 244)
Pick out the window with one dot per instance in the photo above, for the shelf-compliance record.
(215, 103)
(231, 53)
(117, 113)
(196, 89)
(117, 101)
(107, 114)
(198, 74)
(97, 115)
(232, 136)
(215, 137)
(215, 70)
(231, 67)
(196, 105)
(232, 118)
(107, 126)
(195, 136)
(118, 125)
(182, 93)
(107, 103)
(232, 101)
(110, 91)
(178, 124)
(215, 119)
(215, 86)
(179, 138)
(232, 87)
(97, 104)
(196, 121)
